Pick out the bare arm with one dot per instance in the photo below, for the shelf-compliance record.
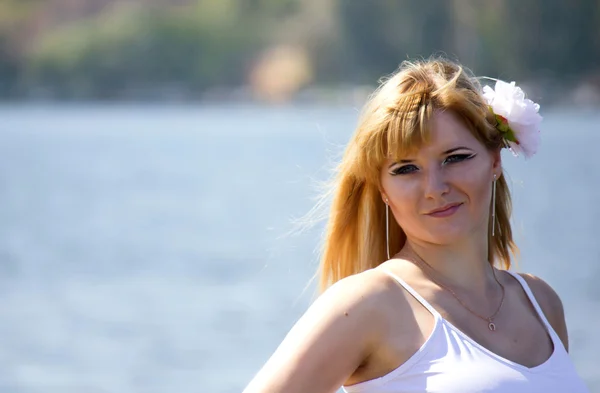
(328, 343)
(551, 306)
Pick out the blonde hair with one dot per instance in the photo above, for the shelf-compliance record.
(393, 122)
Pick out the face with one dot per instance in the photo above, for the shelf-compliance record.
(442, 192)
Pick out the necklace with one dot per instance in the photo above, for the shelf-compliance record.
(490, 319)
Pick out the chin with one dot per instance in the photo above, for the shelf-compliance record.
(447, 235)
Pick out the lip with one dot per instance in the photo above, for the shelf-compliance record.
(445, 211)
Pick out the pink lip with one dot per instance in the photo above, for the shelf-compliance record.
(445, 211)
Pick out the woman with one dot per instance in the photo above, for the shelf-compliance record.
(417, 293)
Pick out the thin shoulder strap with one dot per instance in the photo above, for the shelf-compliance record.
(532, 299)
(414, 293)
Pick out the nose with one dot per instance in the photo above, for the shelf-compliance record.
(435, 184)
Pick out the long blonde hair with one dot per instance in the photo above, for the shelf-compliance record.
(393, 122)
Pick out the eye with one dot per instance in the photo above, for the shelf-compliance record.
(403, 170)
(458, 158)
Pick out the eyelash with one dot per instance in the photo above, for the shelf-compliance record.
(453, 159)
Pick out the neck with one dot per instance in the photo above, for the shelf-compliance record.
(463, 266)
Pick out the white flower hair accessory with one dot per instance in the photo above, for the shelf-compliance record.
(517, 117)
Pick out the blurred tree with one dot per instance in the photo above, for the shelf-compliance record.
(12, 14)
(108, 49)
(380, 34)
(558, 37)
(130, 51)
(9, 70)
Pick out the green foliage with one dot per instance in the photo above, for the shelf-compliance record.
(382, 34)
(509, 38)
(128, 50)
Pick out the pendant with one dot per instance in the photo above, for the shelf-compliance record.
(492, 326)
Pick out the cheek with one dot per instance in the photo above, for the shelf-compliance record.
(476, 185)
(399, 190)
(404, 199)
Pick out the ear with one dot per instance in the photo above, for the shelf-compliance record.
(384, 197)
(497, 162)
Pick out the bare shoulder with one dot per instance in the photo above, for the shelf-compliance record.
(545, 295)
(359, 297)
(330, 341)
(359, 301)
(364, 289)
(550, 303)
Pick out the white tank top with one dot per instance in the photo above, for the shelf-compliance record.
(451, 362)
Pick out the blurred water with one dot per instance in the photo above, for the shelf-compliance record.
(143, 248)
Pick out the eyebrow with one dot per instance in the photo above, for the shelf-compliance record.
(446, 152)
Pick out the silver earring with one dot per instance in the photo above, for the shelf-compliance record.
(387, 227)
(494, 205)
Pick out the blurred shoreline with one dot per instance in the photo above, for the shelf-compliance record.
(584, 95)
(289, 51)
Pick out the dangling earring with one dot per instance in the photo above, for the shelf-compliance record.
(387, 227)
(494, 205)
